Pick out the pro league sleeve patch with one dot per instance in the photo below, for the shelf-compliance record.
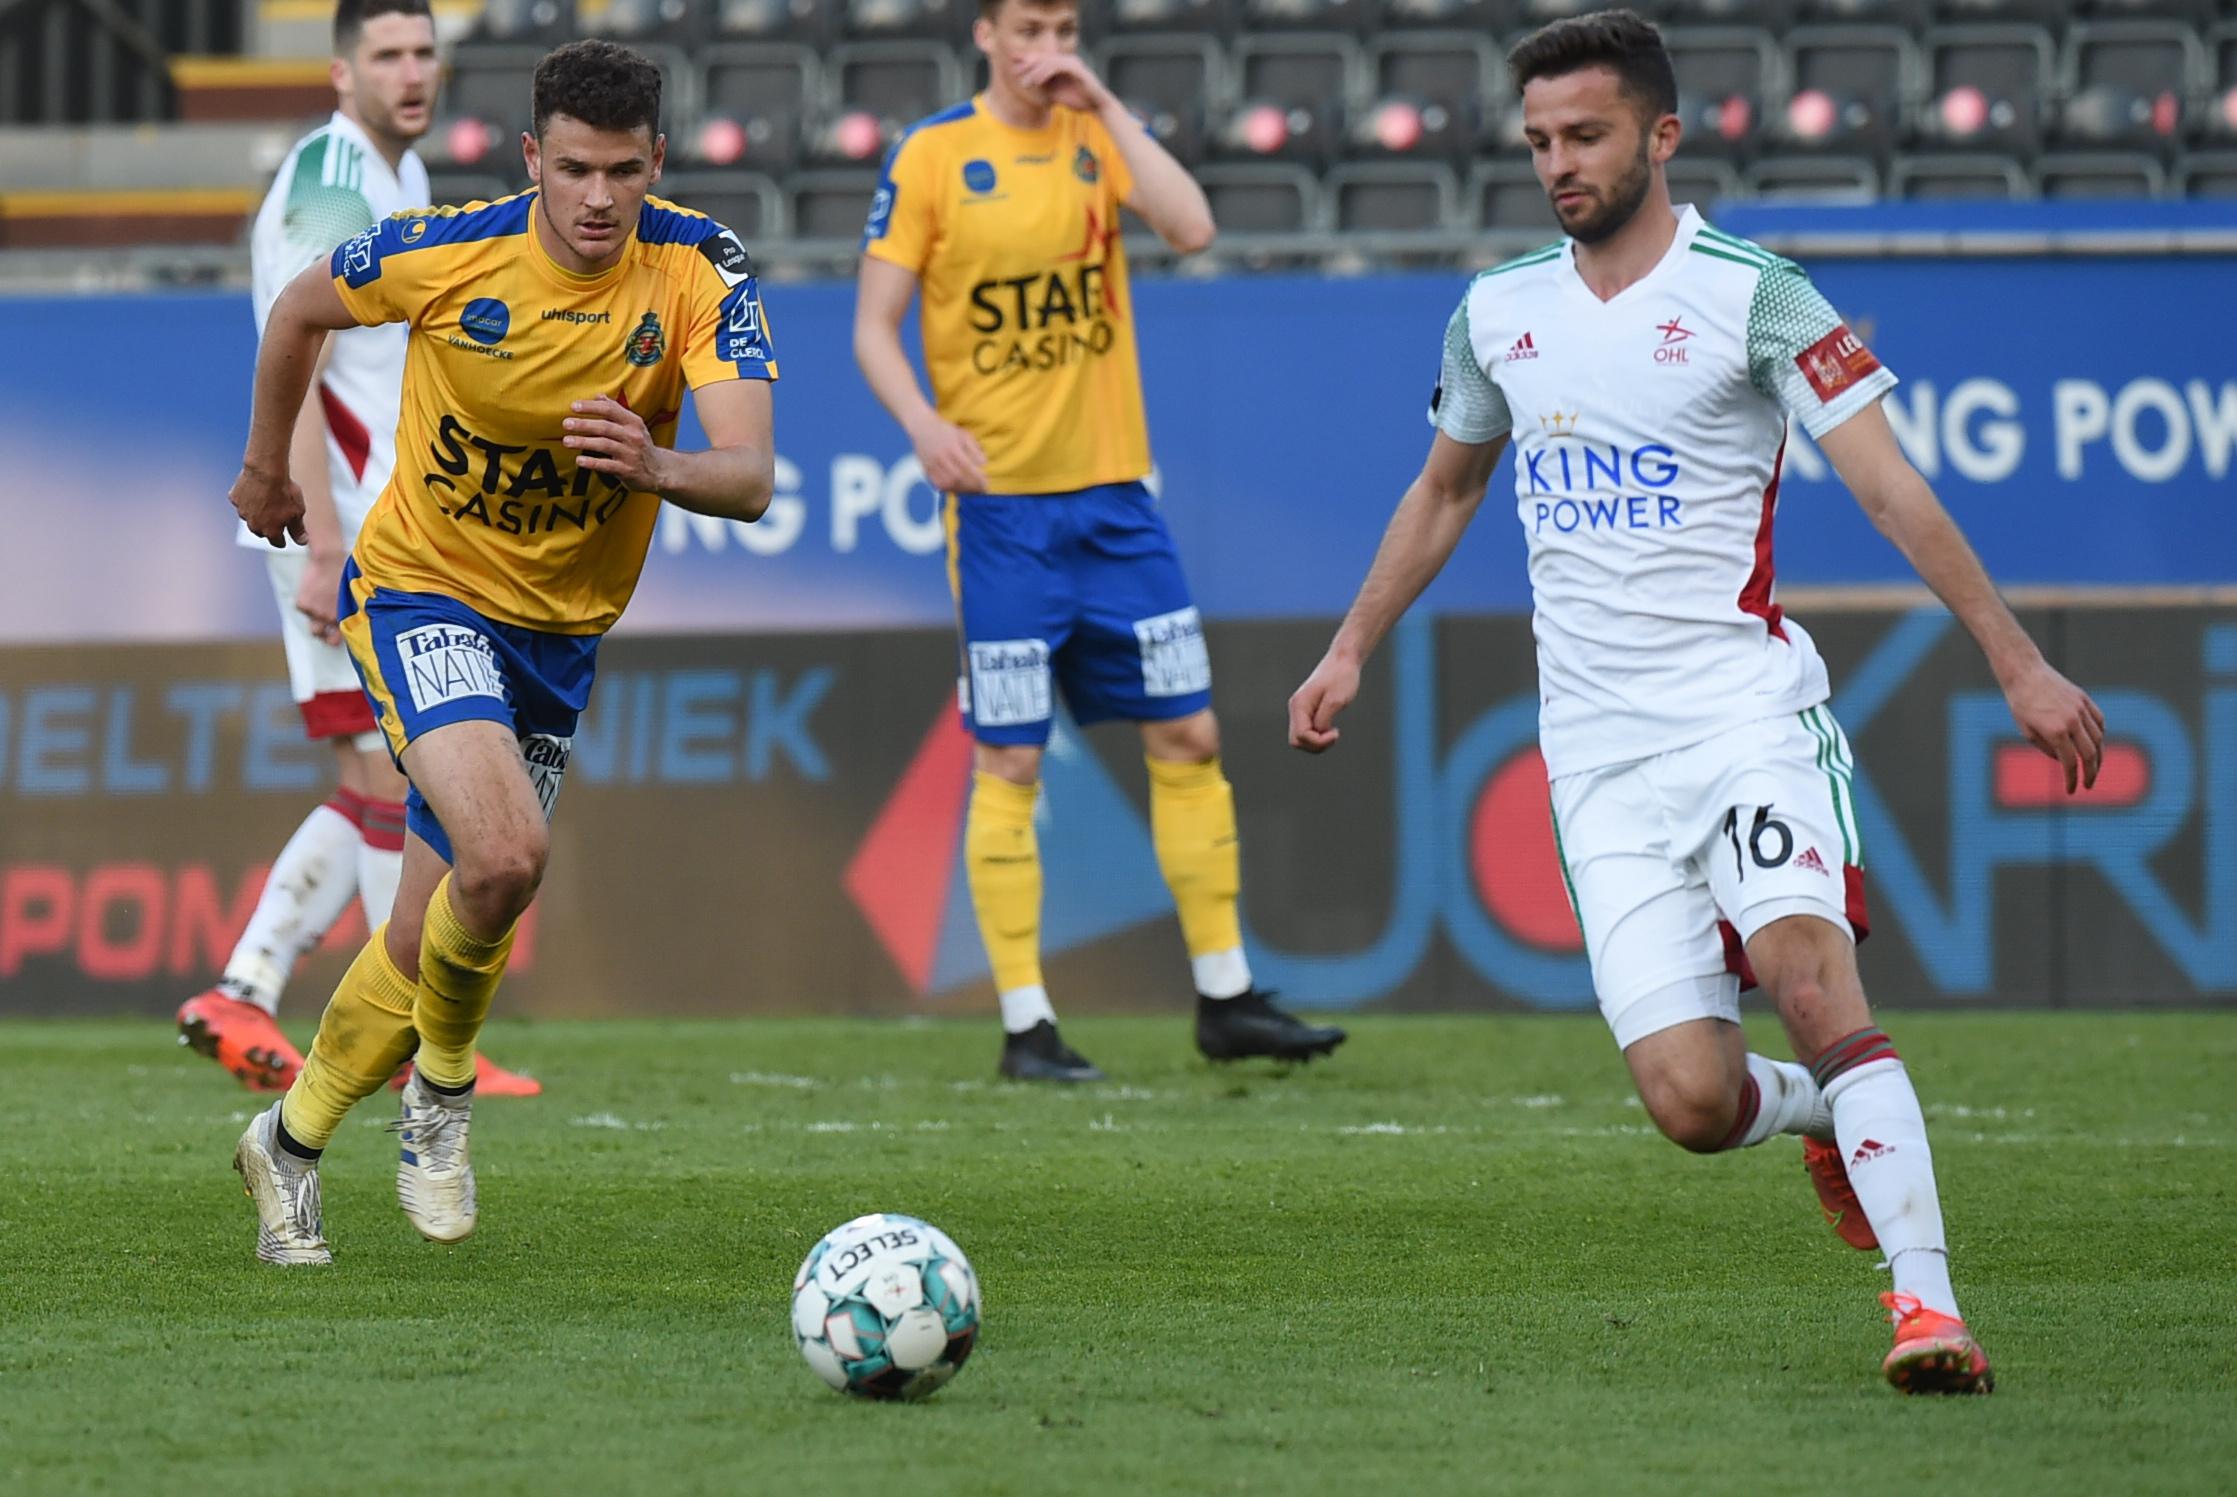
(1835, 362)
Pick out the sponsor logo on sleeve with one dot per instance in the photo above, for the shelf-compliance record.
(1835, 362)
(740, 339)
(881, 212)
(355, 261)
(728, 257)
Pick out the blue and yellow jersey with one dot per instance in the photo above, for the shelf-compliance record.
(486, 504)
(1028, 325)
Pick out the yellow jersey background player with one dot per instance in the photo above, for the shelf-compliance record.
(1003, 213)
(552, 336)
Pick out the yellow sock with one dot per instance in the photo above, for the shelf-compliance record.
(1192, 822)
(458, 973)
(365, 1034)
(1004, 864)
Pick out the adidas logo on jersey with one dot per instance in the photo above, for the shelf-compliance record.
(1813, 862)
(1523, 349)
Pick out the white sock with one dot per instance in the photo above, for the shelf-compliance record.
(310, 884)
(1882, 1134)
(1222, 974)
(379, 870)
(1788, 1102)
(1022, 1008)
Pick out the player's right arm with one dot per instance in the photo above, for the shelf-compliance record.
(1472, 424)
(268, 500)
(896, 247)
(1420, 538)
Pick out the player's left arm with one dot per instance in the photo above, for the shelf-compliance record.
(1161, 189)
(2057, 716)
(733, 478)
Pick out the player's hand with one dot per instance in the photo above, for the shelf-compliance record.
(1065, 80)
(952, 459)
(318, 593)
(271, 505)
(1313, 706)
(2059, 718)
(608, 437)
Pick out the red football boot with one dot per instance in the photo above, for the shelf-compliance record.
(490, 1080)
(1836, 1197)
(1934, 1353)
(240, 1037)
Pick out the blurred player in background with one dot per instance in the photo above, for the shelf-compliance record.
(1646, 368)
(352, 171)
(553, 334)
(1005, 212)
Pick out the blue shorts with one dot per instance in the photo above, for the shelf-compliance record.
(1083, 590)
(428, 661)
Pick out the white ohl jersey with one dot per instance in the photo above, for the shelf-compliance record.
(332, 185)
(1649, 432)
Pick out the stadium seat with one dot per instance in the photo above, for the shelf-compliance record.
(484, 106)
(894, 83)
(1260, 16)
(829, 206)
(2193, 12)
(1506, 195)
(1531, 14)
(1703, 181)
(1319, 69)
(2051, 13)
(1814, 178)
(2206, 174)
(2129, 84)
(1908, 16)
(1956, 176)
(2217, 115)
(2106, 174)
(1262, 197)
(1176, 73)
(748, 203)
(548, 22)
(947, 21)
(755, 102)
(676, 22)
(1852, 87)
(1770, 15)
(1214, 16)
(1268, 130)
(448, 189)
(1457, 69)
(1724, 76)
(1986, 86)
(1483, 17)
(804, 21)
(1393, 197)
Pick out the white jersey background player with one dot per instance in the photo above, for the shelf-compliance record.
(340, 179)
(1645, 369)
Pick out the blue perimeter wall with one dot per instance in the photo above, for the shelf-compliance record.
(2079, 415)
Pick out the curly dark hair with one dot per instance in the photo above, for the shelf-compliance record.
(604, 84)
(350, 17)
(1620, 40)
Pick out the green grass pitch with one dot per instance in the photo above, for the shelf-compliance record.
(1454, 1260)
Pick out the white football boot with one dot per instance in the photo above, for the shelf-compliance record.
(434, 1176)
(289, 1229)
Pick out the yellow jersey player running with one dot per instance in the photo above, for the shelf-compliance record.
(552, 335)
(1004, 212)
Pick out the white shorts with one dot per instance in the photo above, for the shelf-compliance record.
(1674, 862)
(319, 675)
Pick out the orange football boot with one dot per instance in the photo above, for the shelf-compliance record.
(240, 1037)
(490, 1080)
(1836, 1197)
(1934, 1353)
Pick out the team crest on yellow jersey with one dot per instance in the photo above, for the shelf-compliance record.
(646, 342)
(1086, 167)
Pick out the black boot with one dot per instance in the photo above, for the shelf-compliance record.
(1040, 1054)
(1248, 1024)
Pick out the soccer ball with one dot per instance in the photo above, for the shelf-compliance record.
(886, 1307)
